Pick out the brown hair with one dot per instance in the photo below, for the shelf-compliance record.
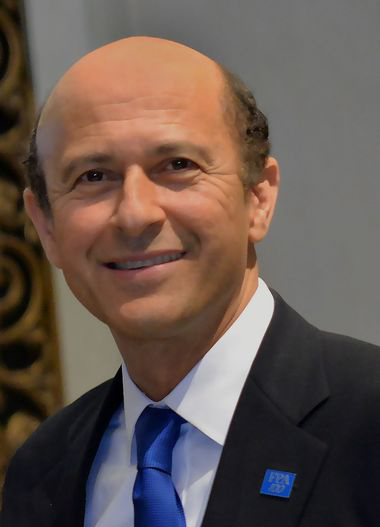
(34, 174)
(248, 125)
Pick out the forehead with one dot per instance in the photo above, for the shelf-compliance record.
(119, 92)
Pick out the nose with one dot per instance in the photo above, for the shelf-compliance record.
(138, 209)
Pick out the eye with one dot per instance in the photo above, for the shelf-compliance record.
(93, 176)
(99, 176)
(181, 163)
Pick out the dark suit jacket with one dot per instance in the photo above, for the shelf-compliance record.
(310, 405)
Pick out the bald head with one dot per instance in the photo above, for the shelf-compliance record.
(137, 65)
(147, 68)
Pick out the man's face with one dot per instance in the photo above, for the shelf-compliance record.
(150, 221)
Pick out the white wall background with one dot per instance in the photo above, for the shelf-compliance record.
(315, 70)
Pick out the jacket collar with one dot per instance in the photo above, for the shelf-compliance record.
(289, 366)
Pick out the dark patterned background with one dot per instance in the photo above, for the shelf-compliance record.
(30, 381)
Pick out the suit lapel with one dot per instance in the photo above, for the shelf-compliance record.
(286, 383)
(84, 439)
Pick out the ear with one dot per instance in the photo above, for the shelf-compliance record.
(43, 224)
(262, 201)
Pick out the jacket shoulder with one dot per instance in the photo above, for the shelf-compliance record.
(351, 364)
(313, 366)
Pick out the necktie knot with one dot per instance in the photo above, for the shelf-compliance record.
(157, 430)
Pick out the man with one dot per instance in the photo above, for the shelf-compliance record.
(150, 185)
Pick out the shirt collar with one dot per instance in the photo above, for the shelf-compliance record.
(208, 395)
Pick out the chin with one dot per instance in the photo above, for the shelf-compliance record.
(151, 322)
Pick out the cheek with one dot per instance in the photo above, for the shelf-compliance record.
(77, 231)
(218, 212)
(220, 231)
(210, 201)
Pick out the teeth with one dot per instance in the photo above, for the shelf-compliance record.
(165, 258)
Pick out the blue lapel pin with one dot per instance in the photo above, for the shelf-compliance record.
(277, 483)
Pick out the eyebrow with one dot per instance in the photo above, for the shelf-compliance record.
(181, 148)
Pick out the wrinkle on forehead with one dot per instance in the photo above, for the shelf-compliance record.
(136, 66)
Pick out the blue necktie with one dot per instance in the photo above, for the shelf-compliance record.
(155, 499)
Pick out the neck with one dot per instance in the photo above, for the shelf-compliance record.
(157, 365)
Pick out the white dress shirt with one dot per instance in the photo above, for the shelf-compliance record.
(206, 398)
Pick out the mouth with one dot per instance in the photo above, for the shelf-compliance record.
(141, 263)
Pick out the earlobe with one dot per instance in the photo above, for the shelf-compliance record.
(263, 199)
(43, 224)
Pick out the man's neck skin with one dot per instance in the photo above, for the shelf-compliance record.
(156, 366)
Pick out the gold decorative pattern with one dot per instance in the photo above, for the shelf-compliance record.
(30, 381)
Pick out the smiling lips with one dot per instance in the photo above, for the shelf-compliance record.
(145, 262)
